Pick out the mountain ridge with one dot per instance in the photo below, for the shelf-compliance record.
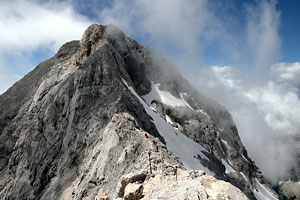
(58, 114)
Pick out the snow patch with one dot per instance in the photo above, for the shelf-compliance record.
(169, 120)
(153, 108)
(152, 95)
(243, 175)
(164, 96)
(228, 167)
(244, 157)
(186, 103)
(201, 111)
(261, 192)
(186, 149)
(167, 98)
(225, 142)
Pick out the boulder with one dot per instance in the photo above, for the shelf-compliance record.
(133, 191)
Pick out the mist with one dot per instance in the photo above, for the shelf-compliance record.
(266, 113)
(261, 95)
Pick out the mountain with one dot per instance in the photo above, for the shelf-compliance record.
(90, 121)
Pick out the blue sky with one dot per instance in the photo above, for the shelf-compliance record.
(244, 54)
(290, 30)
(220, 39)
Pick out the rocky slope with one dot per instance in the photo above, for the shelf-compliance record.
(77, 123)
(290, 189)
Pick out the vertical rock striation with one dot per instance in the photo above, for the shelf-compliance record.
(72, 127)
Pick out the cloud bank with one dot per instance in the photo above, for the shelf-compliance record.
(266, 113)
(287, 72)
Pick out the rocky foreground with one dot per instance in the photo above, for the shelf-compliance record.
(191, 185)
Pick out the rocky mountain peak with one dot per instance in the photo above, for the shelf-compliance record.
(106, 111)
(94, 37)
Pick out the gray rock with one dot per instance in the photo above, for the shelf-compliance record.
(71, 127)
(290, 189)
(190, 187)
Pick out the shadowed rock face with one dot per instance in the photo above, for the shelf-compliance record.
(71, 126)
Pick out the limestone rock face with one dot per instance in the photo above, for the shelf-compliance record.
(189, 186)
(290, 189)
(81, 120)
(182, 185)
(133, 191)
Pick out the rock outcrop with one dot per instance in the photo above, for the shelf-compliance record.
(103, 107)
(290, 189)
(192, 185)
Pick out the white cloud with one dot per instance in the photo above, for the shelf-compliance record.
(287, 73)
(262, 33)
(227, 75)
(266, 113)
(188, 27)
(184, 25)
(27, 25)
(169, 23)
(121, 14)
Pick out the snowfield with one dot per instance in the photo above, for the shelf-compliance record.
(262, 193)
(227, 167)
(163, 96)
(184, 148)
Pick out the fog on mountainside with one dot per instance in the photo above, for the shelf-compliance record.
(262, 99)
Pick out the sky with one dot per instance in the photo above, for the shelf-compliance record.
(243, 54)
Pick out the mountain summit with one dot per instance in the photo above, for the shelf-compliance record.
(109, 118)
